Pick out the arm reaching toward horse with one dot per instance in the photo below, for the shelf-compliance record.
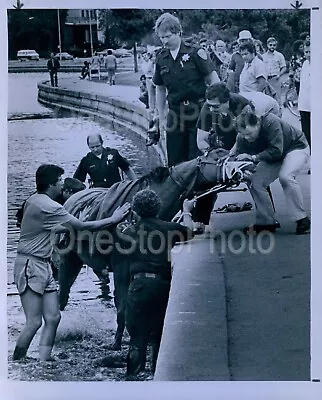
(202, 140)
(76, 224)
(187, 207)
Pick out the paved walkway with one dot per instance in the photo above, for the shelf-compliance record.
(239, 307)
(126, 89)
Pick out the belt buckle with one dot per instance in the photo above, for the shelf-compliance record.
(186, 102)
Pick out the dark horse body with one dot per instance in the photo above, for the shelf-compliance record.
(172, 185)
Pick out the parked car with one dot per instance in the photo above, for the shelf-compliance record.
(104, 52)
(27, 55)
(122, 53)
(64, 56)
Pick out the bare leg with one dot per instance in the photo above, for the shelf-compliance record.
(32, 306)
(51, 316)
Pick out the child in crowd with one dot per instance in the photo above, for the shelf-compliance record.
(85, 70)
(144, 97)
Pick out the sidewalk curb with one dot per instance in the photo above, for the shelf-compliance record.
(194, 347)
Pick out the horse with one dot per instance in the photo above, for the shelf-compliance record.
(173, 185)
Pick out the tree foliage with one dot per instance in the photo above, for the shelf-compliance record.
(34, 29)
(125, 26)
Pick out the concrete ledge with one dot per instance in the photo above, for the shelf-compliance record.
(194, 341)
(63, 68)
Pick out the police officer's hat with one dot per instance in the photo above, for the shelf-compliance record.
(73, 185)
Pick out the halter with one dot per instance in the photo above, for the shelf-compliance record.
(179, 181)
(227, 171)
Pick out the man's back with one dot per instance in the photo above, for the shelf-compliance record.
(276, 138)
(110, 61)
(153, 240)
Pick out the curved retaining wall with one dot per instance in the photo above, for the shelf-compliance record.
(119, 113)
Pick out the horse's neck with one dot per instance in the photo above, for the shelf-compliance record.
(185, 172)
(180, 180)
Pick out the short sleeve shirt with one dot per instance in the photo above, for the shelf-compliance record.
(223, 125)
(104, 171)
(110, 61)
(263, 103)
(149, 243)
(41, 214)
(274, 62)
(183, 77)
(249, 75)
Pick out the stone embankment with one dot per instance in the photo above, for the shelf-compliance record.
(117, 105)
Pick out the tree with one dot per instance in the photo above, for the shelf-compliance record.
(35, 29)
(127, 27)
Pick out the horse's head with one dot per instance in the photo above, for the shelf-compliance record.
(217, 167)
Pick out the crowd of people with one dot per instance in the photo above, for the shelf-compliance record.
(246, 68)
(201, 98)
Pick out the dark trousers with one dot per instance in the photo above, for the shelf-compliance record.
(53, 78)
(306, 125)
(182, 146)
(182, 133)
(145, 311)
(203, 208)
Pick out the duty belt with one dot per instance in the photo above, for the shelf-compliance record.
(147, 275)
(187, 102)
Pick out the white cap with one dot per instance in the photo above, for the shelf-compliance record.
(244, 35)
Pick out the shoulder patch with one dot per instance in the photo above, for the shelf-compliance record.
(202, 54)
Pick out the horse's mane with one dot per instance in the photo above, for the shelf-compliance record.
(157, 175)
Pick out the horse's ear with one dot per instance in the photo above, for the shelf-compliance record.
(160, 174)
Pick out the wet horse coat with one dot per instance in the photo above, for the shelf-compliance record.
(172, 185)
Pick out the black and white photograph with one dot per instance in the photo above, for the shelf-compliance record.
(162, 196)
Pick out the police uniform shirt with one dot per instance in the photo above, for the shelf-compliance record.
(150, 242)
(183, 77)
(104, 171)
(223, 124)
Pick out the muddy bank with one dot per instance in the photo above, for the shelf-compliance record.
(85, 332)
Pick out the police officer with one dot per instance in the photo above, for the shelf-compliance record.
(183, 70)
(102, 164)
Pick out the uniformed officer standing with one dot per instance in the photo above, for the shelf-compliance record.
(184, 71)
(102, 164)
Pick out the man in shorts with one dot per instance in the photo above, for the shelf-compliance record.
(42, 218)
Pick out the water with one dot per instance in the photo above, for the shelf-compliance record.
(59, 141)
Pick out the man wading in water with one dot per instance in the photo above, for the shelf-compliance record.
(42, 218)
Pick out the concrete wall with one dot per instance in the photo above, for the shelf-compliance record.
(119, 113)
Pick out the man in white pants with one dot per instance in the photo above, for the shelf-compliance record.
(280, 151)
